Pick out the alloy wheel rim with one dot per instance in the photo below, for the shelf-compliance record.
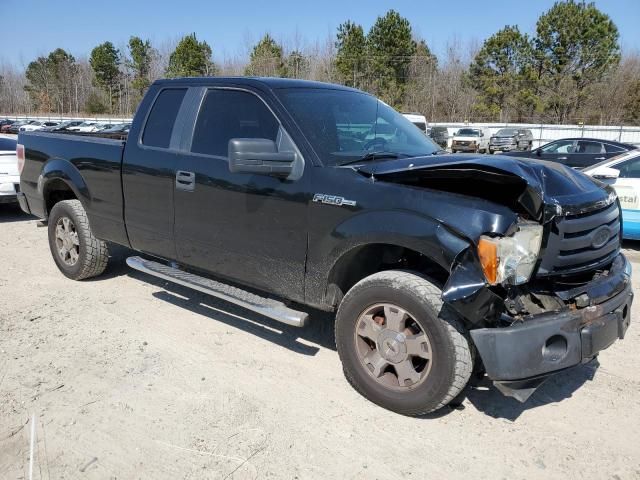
(67, 241)
(392, 347)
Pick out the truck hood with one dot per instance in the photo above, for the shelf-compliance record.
(537, 188)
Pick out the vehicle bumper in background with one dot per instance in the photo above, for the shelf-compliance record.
(503, 147)
(520, 357)
(8, 191)
(464, 148)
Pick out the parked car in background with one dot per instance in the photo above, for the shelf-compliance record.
(623, 173)
(14, 128)
(62, 126)
(418, 120)
(9, 175)
(37, 125)
(116, 131)
(510, 139)
(469, 139)
(440, 135)
(6, 121)
(86, 126)
(577, 152)
(5, 125)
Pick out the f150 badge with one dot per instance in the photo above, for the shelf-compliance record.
(333, 200)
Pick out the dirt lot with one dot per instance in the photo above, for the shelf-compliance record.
(131, 377)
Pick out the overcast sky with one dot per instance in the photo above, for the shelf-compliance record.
(35, 27)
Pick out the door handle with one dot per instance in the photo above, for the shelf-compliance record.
(599, 158)
(185, 181)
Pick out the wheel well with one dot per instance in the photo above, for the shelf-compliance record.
(360, 262)
(55, 191)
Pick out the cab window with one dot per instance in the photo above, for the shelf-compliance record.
(227, 114)
(159, 126)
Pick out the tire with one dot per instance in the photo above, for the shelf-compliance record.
(490, 152)
(437, 380)
(76, 251)
(453, 151)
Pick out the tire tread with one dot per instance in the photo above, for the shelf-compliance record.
(425, 287)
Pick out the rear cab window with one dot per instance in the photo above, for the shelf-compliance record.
(159, 125)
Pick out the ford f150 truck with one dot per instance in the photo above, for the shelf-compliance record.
(282, 194)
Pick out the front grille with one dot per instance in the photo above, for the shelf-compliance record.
(582, 242)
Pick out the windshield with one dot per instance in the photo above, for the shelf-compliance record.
(468, 132)
(507, 132)
(343, 126)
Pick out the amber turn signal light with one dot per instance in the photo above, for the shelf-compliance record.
(488, 253)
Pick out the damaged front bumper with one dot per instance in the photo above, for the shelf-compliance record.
(520, 357)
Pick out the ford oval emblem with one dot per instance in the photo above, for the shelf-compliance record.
(600, 237)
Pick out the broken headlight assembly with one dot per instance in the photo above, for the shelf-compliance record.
(511, 259)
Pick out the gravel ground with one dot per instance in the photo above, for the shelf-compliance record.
(131, 377)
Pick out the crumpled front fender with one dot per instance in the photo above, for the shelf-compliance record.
(467, 292)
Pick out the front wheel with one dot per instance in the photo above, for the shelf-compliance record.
(400, 346)
(76, 251)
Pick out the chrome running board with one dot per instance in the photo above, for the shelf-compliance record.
(264, 306)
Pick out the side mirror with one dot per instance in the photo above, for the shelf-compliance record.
(605, 173)
(259, 156)
(538, 152)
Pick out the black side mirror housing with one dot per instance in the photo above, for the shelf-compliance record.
(259, 156)
(538, 152)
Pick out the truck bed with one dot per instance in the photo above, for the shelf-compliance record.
(92, 164)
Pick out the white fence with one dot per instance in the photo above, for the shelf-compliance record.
(544, 133)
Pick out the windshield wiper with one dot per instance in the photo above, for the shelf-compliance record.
(372, 156)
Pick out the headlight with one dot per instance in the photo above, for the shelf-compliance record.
(511, 259)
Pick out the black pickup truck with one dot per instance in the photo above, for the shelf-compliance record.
(278, 194)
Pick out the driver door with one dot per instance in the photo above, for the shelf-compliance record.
(249, 228)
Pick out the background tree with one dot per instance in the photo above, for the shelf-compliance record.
(297, 65)
(502, 74)
(420, 93)
(50, 82)
(191, 58)
(105, 62)
(351, 45)
(39, 84)
(390, 46)
(576, 45)
(141, 57)
(266, 59)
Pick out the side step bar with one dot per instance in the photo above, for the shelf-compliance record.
(264, 306)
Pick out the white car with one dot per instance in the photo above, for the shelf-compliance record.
(471, 139)
(623, 173)
(84, 127)
(418, 120)
(37, 125)
(9, 175)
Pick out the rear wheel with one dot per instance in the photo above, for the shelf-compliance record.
(76, 251)
(400, 346)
